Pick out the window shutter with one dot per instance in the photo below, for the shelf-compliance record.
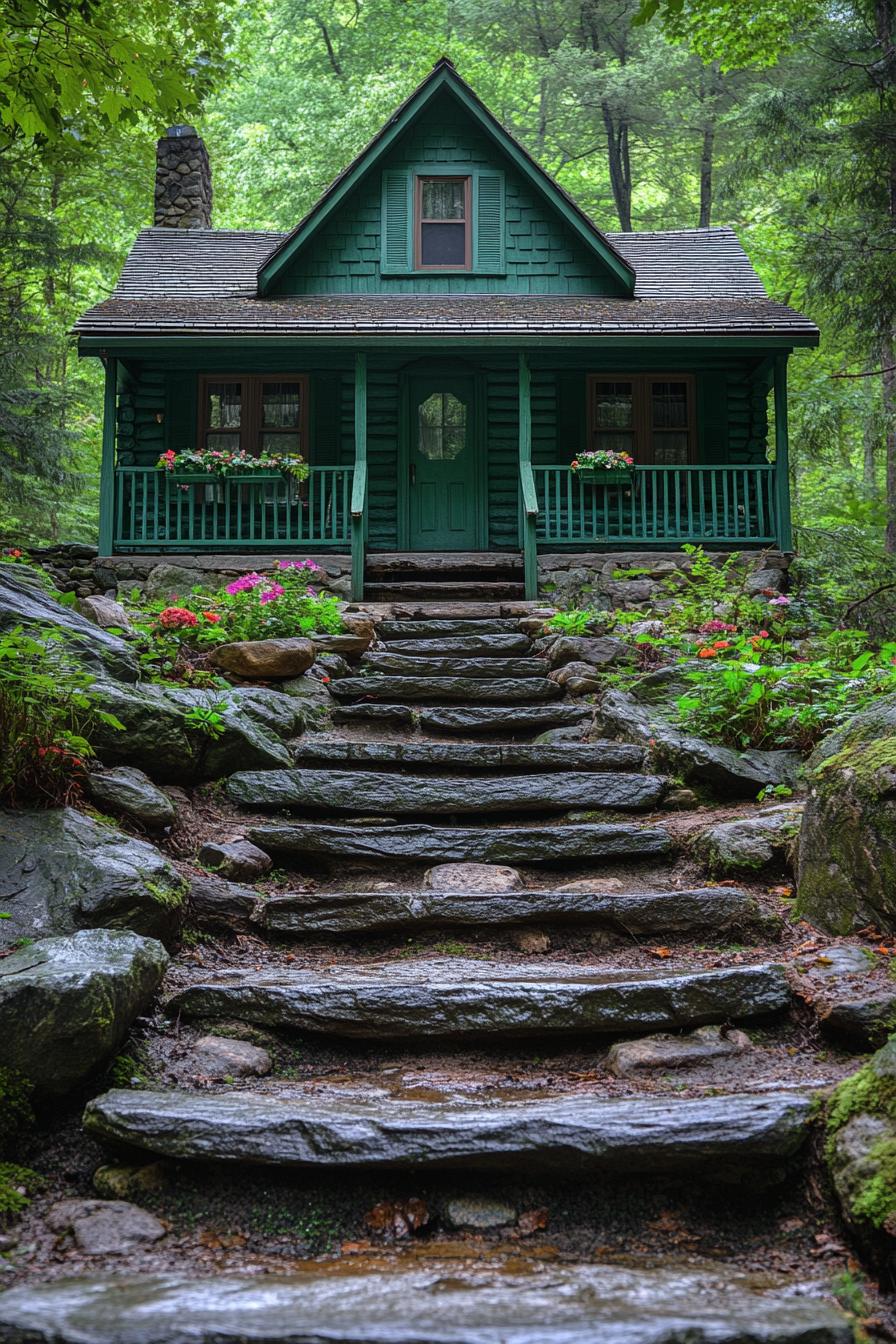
(489, 240)
(396, 222)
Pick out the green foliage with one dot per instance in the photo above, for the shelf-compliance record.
(16, 1114)
(17, 1186)
(47, 714)
(576, 621)
(206, 719)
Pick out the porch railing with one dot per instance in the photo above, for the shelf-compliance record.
(662, 504)
(152, 510)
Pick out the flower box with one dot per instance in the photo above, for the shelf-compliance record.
(606, 475)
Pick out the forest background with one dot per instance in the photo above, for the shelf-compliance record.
(777, 117)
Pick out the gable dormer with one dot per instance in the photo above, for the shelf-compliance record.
(444, 200)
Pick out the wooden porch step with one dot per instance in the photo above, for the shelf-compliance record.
(442, 562)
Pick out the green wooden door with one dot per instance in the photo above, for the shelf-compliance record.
(443, 464)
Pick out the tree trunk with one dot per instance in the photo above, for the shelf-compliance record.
(869, 458)
(888, 379)
(620, 166)
(706, 165)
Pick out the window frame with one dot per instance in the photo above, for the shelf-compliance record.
(642, 428)
(419, 179)
(251, 428)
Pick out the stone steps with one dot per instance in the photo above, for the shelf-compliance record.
(717, 1138)
(415, 590)
(721, 910)
(470, 646)
(471, 720)
(456, 998)
(452, 756)
(401, 690)
(450, 844)
(393, 716)
(448, 1302)
(379, 793)
(436, 628)
(402, 665)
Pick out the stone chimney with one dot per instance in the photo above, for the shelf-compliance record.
(183, 181)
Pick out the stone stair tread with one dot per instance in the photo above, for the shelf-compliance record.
(457, 997)
(598, 755)
(357, 1129)
(435, 628)
(403, 665)
(442, 1302)
(471, 646)
(644, 914)
(405, 590)
(399, 716)
(379, 792)
(447, 844)
(501, 718)
(398, 689)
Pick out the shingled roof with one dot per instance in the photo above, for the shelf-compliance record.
(203, 282)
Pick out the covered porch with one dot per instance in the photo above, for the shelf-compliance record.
(488, 470)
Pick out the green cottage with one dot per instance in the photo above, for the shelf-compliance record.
(438, 338)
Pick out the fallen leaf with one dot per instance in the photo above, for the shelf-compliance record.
(397, 1218)
(780, 891)
(532, 1220)
(660, 951)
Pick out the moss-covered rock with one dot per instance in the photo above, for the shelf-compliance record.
(61, 870)
(750, 844)
(847, 848)
(861, 1155)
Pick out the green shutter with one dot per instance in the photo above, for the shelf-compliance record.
(488, 241)
(396, 246)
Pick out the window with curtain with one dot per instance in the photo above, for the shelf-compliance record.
(650, 416)
(254, 413)
(443, 223)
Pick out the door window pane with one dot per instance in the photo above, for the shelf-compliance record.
(441, 427)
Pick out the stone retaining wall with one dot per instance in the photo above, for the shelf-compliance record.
(631, 580)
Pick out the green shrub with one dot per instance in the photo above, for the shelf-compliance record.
(47, 714)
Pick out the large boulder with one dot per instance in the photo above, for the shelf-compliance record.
(25, 601)
(847, 850)
(129, 791)
(61, 871)
(66, 1004)
(861, 1155)
(249, 730)
(261, 659)
(750, 844)
(737, 774)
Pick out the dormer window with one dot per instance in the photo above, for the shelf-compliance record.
(443, 216)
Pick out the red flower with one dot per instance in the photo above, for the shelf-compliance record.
(212, 617)
(707, 653)
(176, 618)
(722, 644)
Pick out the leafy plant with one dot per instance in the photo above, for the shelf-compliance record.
(17, 1186)
(47, 713)
(207, 719)
(577, 621)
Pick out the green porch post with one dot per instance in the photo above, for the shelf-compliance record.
(359, 484)
(782, 456)
(527, 482)
(107, 466)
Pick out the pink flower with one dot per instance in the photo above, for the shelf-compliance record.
(780, 601)
(271, 594)
(176, 618)
(297, 564)
(244, 583)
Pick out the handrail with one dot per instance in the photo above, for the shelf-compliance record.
(359, 486)
(527, 484)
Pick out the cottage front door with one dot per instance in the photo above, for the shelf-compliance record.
(442, 463)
